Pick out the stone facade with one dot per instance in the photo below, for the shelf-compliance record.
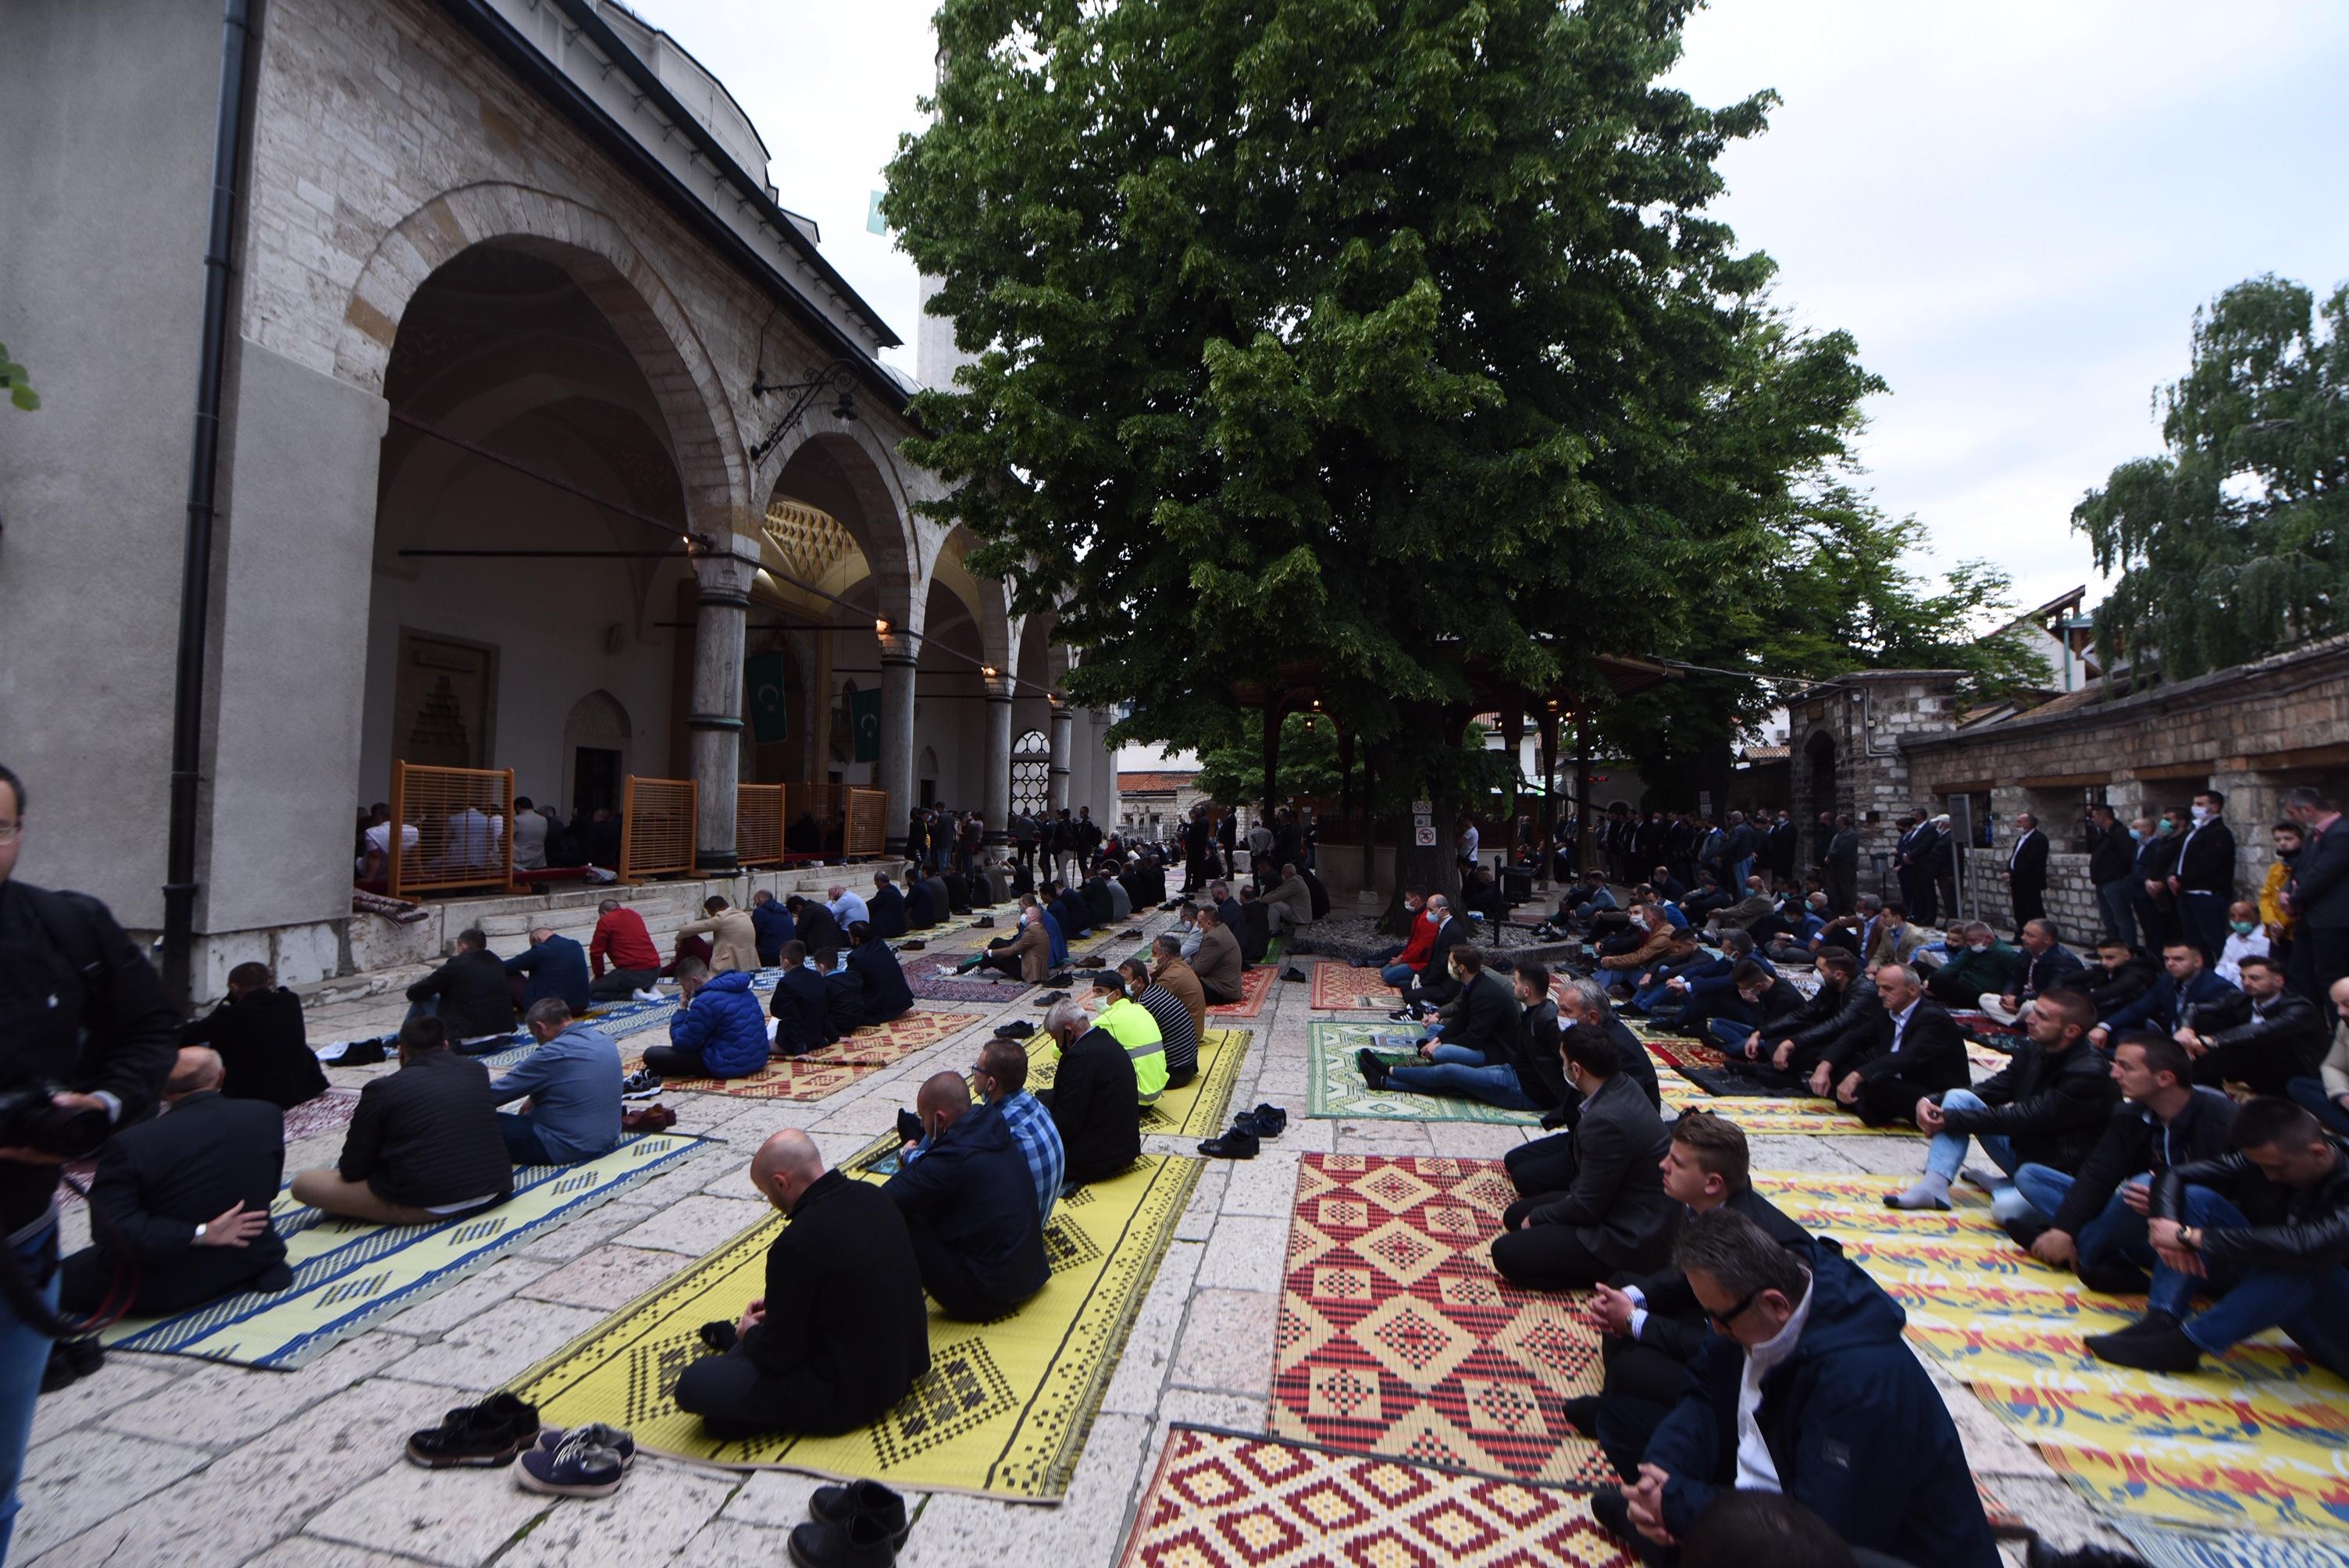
(1846, 739)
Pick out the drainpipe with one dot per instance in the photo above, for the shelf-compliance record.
(204, 472)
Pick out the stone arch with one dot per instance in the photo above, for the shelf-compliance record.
(882, 518)
(614, 275)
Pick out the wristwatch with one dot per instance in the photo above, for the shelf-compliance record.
(197, 1239)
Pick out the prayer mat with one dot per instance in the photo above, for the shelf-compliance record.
(1195, 1109)
(1228, 1499)
(1396, 1337)
(1979, 1023)
(1338, 985)
(932, 978)
(2184, 1549)
(1782, 1116)
(826, 1072)
(1005, 1407)
(1337, 1089)
(2256, 1442)
(347, 1273)
(1256, 984)
(1701, 1064)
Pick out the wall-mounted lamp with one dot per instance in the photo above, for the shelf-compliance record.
(1553, 704)
(1309, 724)
(844, 408)
(880, 627)
(987, 672)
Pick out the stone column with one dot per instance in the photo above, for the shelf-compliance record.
(898, 657)
(995, 796)
(714, 722)
(1063, 721)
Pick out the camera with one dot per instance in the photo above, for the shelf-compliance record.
(29, 1118)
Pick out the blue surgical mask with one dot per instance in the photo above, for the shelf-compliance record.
(2135, 836)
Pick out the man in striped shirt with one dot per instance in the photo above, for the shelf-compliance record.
(1176, 1029)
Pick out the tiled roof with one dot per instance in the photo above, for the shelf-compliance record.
(1153, 783)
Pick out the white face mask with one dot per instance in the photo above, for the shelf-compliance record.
(2201, 815)
(1979, 946)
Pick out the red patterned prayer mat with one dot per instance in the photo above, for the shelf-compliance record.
(828, 1071)
(1396, 1337)
(931, 977)
(1255, 987)
(1678, 1052)
(1339, 986)
(1226, 1499)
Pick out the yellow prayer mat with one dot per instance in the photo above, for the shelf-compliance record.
(822, 1073)
(1766, 1116)
(2257, 1441)
(1005, 1407)
(1195, 1110)
(349, 1272)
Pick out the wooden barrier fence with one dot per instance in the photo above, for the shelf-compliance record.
(452, 828)
(656, 823)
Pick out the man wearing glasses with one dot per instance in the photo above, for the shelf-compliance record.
(1807, 1389)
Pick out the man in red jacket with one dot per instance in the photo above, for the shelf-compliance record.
(620, 936)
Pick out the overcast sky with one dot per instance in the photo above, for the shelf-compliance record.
(2014, 207)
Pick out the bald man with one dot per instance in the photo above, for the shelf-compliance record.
(970, 1206)
(189, 1194)
(842, 1332)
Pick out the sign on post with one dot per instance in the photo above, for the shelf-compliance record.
(1423, 808)
(1426, 836)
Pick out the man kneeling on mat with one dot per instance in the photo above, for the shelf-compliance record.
(842, 1332)
(969, 1205)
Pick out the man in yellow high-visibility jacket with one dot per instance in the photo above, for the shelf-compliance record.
(1130, 1025)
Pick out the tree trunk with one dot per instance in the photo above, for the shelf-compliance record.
(1272, 757)
(1584, 830)
(1432, 866)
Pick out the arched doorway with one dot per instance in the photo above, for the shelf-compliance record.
(596, 744)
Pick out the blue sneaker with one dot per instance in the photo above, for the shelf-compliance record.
(577, 1467)
(602, 1436)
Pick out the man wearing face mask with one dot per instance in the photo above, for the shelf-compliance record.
(2203, 880)
(2156, 907)
(1136, 1032)
(1093, 1101)
(1614, 1215)
(1979, 964)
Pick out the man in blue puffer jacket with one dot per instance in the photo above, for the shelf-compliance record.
(718, 1029)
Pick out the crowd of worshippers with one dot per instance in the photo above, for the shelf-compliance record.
(842, 1331)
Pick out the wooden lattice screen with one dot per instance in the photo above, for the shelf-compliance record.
(868, 822)
(657, 819)
(759, 824)
(451, 823)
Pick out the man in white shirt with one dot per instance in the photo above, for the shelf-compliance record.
(2246, 938)
(379, 844)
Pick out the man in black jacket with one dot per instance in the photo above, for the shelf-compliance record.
(1095, 1099)
(842, 1332)
(2112, 870)
(1844, 1004)
(2318, 892)
(189, 1194)
(813, 925)
(1913, 1051)
(1842, 866)
(1481, 1051)
(423, 1144)
(1615, 1215)
(885, 907)
(969, 1205)
(262, 1043)
(1548, 1164)
(2267, 1227)
(2283, 1039)
(2203, 880)
(800, 1007)
(2046, 1107)
(469, 995)
(1435, 985)
(2099, 1216)
(2027, 870)
(1763, 995)
(881, 980)
(1652, 1324)
(2047, 963)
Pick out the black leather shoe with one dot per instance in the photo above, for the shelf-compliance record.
(861, 1543)
(1613, 1514)
(2115, 1277)
(840, 1504)
(1239, 1143)
(1266, 1120)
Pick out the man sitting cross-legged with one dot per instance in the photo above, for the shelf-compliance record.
(1026, 956)
(1614, 1215)
(1093, 1098)
(1807, 1389)
(2047, 1106)
(2266, 1228)
(1504, 1067)
(1913, 1050)
(999, 1078)
(2044, 964)
(1978, 962)
(1653, 1322)
(716, 1032)
(881, 980)
(423, 1142)
(1173, 972)
(1178, 1035)
(2325, 1092)
(842, 1331)
(970, 1204)
(2098, 1217)
(1217, 963)
(2282, 1038)
(1432, 985)
(1118, 1014)
(1844, 1004)
(469, 996)
(2189, 997)
(189, 1194)
(573, 1082)
(1768, 1003)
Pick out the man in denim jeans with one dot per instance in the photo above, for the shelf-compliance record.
(78, 1002)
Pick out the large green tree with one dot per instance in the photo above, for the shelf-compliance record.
(1383, 338)
(2235, 542)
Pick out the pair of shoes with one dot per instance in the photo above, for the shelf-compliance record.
(647, 1118)
(984, 923)
(646, 994)
(1267, 1120)
(1239, 1143)
(484, 1434)
(1018, 1029)
(1373, 1067)
(1405, 1014)
(71, 1361)
(585, 1461)
(358, 1054)
(1130, 931)
(642, 1084)
(2154, 1343)
(1048, 997)
(860, 1525)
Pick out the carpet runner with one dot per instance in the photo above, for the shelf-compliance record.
(932, 978)
(1256, 984)
(1228, 1499)
(1397, 1338)
(822, 1073)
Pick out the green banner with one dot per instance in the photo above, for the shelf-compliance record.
(762, 680)
(864, 723)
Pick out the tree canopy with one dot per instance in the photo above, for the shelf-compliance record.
(2234, 542)
(1384, 337)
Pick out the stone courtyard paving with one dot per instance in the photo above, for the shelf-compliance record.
(158, 1458)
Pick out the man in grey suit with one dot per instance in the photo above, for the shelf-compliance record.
(1615, 1217)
